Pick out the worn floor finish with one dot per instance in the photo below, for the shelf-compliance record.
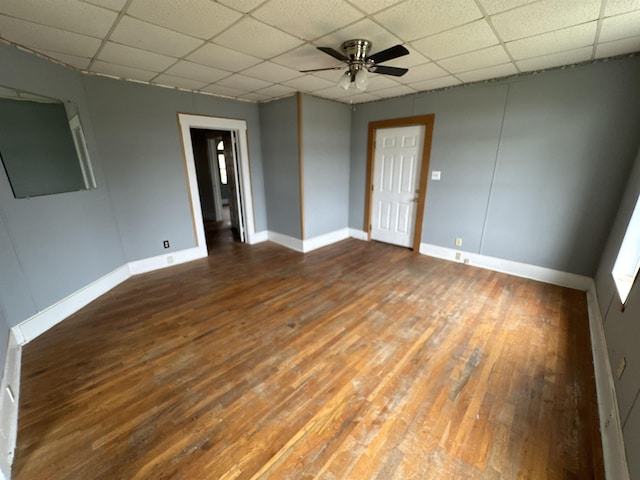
(356, 361)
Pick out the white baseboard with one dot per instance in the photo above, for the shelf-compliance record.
(9, 402)
(304, 246)
(259, 237)
(51, 316)
(324, 240)
(615, 460)
(167, 260)
(286, 241)
(358, 234)
(533, 272)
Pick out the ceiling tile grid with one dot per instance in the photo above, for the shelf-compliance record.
(254, 50)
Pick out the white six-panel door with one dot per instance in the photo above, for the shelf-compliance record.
(396, 184)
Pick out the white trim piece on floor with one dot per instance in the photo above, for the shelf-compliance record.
(286, 241)
(167, 260)
(42, 321)
(615, 460)
(358, 234)
(9, 402)
(324, 239)
(533, 272)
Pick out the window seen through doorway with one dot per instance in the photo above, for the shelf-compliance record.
(221, 162)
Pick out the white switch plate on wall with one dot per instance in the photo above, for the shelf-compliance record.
(435, 175)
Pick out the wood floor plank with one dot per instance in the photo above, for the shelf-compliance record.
(359, 360)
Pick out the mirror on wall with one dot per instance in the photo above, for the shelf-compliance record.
(42, 145)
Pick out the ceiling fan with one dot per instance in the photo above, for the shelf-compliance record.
(358, 63)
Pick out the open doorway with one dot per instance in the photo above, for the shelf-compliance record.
(215, 149)
(220, 199)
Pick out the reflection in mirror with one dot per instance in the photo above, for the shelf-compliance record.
(42, 145)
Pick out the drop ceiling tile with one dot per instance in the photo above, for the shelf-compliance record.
(475, 60)
(415, 19)
(469, 37)
(276, 91)
(620, 26)
(180, 82)
(307, 19)
(380, 82)
(618, 47)
(365, 28)
(115, 5)
(256, 97)
(80, 63)
(195, 71)
(70, 15)
(134, 57)
(552, 42)
(435, 83)
(271, 72)
(197, 18)
(222, 57)
(309, 83)
(242, 82)
(336, 92)
(242, 5)
(373, 6)
(496, 71)
(555, 60)
(122, 71)
(346, 96)
(616, 7)
(223, 91)
(256, 38)
(306, 57)
(139, 34)
(41, 37)
(495, 6)
(395, 91)
(544, 16)
(360, 98)
(423, 72)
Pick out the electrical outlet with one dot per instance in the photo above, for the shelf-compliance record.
(458, 255)
(166, 244)
(169, 259)
(621, 366)
(458, 242)
(466, 261)
(435, 175)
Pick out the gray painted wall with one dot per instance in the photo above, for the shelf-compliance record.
(137, 132)
(279, 132)
(54, 245)
(326, 143)
(622, 329)
(532, 168)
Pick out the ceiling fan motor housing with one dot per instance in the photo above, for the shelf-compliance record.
(356, 50)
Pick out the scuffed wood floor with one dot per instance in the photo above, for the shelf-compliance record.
(356, 361)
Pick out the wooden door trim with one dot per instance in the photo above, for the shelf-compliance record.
(300, 163)
(427, 122)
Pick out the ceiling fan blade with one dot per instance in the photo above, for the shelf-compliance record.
(321, 69)
(395, 71)
(335, 54)
(388, 54)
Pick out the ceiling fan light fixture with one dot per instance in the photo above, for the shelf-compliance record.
(345, 80)
(362, 80)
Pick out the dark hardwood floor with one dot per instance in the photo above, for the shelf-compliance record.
(356, 361)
